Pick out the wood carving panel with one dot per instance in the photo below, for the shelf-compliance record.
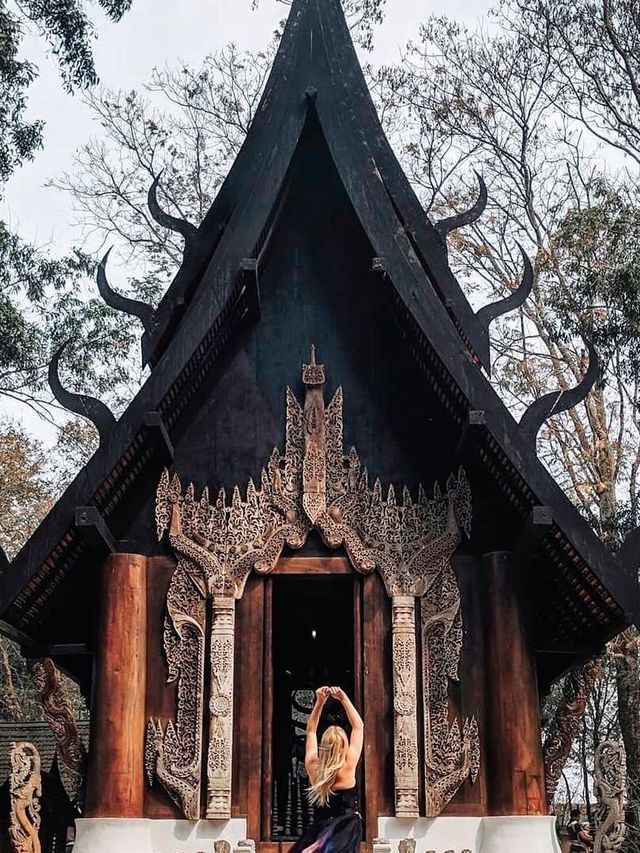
(609, 777)
(563, 727)
(314, 485)
(25, 788)
(59, 715)
(219, 760)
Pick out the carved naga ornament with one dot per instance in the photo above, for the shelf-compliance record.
(59, 715)
(218, 543)
(609, 777)
(25, 786)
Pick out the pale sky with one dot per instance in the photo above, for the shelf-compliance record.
(155, 33)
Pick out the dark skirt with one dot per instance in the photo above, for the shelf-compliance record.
(341, 834)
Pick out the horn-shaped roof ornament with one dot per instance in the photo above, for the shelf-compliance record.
(80, 404)
(180, 226)
(133, 307)
(458, 220)
(491, 312)
(559, 401)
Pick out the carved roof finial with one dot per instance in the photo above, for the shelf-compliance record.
(81, 404)
(173, 223)
(559, 401)
(489, 313)
(467, 217)
(115, 300)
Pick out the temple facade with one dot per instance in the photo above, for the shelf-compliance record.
(317, 484)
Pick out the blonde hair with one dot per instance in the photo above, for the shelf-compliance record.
(332, 754)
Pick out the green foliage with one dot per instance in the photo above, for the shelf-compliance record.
(44, 302)
(598, 251)
(68, 31)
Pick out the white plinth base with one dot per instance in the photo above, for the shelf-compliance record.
(533, 834)
(475, 834)
(109, 835)
(115, 835)
(457, 834)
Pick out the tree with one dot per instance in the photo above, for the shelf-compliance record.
(29, 485)
(593, 50)
(39, 295)
(44, 302)
(68, 31)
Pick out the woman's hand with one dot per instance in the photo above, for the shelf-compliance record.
(322, 694)
(337, 693)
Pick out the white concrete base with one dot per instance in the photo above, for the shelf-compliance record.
(115, 835)
(112, 835)
(438, 834)
(475, 834)
(530, 834)
(457, 834)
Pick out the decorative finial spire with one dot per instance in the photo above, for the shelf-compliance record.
(313, 373)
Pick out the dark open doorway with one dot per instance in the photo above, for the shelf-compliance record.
(314, 643)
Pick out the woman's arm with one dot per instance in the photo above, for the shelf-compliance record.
(356, 740)
(311, 745)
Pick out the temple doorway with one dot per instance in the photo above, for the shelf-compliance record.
(316, 639)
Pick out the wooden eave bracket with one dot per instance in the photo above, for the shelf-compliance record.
(56, 651)
(15, 634)
(156, 427)
(534, 531)
(251, 286)
(476, 419)
(92, 525)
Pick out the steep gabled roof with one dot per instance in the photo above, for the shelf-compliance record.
(316, 64)
(316, 77)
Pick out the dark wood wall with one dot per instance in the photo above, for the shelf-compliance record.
(317, 286)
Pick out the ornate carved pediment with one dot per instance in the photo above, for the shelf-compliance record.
(313, 485)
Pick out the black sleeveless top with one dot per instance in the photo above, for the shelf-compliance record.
(341, 802)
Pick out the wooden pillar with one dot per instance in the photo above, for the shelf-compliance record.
(220, 756)
(405, 705)
(514, 750)
(116, 772)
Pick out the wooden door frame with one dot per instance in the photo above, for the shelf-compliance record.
(300, 566)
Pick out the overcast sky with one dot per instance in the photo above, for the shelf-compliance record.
(156, 33)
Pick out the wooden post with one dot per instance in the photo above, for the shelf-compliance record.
(116, 772)
(405, 704)
(220, 756)
(514, 750)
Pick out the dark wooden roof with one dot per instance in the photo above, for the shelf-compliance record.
(579, 594)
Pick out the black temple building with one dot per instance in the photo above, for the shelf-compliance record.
(403, 539)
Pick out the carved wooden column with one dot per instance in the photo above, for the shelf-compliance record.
(116, 770)
(514, 752)
(405, 705)
(219, 762)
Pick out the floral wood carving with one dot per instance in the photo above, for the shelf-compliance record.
(59, 715)
(312, 486)
(609, 774)
(25, 786)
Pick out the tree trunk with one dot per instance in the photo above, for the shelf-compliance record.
(625, 650)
